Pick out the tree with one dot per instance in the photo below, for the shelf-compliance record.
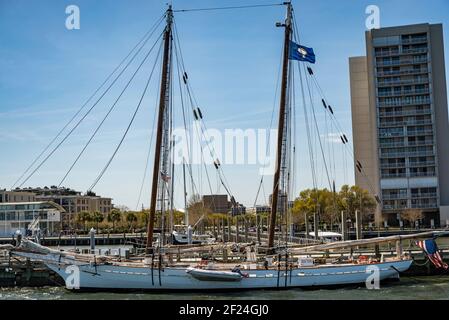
(131, 218)
(84, 217)
(355, 198)
(329, 204)
(97, 217)
(114, 216)
(412, 215)
(311, 201)
(197, 210)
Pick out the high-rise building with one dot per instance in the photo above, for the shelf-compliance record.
(400, 121)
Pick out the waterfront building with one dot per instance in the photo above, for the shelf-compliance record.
(217, 203)
(14, 196)
(400, 121)
(18, 216)
(259, 209)
(72, 201)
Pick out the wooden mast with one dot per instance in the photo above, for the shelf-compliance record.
(163, 101)
(281, 126)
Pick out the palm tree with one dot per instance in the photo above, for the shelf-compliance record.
(131, 218)
(84, 217)
(97, 217)
(114, 216)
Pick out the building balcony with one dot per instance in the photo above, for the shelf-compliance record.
(393, 165)
(412, 133)
(407, 175)
(415, 40)
(393, 175)
(390, 83)
(394, 207)
(401, 62)
(392, 144)
(403, 93)
(397, 52)
(422, 174)
(405, 123)
(406, 154)
(404, 103)
(402, 72)
(424, 195)
(422, 164)
(394, 197)
(414, 50)
(421, 143)
(387, 53)
(424, 205)
(405, 113)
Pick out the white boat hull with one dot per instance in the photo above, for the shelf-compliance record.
(176, 278)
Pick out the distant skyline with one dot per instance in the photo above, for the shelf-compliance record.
(232, 57)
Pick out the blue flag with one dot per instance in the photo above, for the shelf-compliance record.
(301, 53)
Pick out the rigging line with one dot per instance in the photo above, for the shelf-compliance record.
(109, 111)
(129, 125)
(87, 113)
(182, 100)
(146, 162)
(193, 101)
(352, 153)
(318, 134)
(309, 141)
(229, 8)
(87, 101)
(271, 124)
(185, 115)
(150, 146)
(312, 107)
(189, 164)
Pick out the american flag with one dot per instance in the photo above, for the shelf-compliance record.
(430, 247)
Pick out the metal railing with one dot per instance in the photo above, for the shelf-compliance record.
(401, 72)
(423, 195)
(404, 103)
(403, 93)
(422, 164)
(405, 113)
(392, 145)
(403, 82)
(419, 132)
(400, 62)
(414, 50)
(393, 165)
(406, 154)
(414, 40)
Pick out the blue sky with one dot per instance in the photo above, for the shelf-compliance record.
(47, 72)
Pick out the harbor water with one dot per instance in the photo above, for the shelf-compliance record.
(415, 288)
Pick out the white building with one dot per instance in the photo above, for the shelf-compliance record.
(18, 216)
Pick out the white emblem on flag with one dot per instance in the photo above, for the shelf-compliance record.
(302, 52)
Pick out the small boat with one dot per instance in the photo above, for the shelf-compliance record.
(327, 236)
(215, 275)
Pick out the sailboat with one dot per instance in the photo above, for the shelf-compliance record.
(159, 270)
